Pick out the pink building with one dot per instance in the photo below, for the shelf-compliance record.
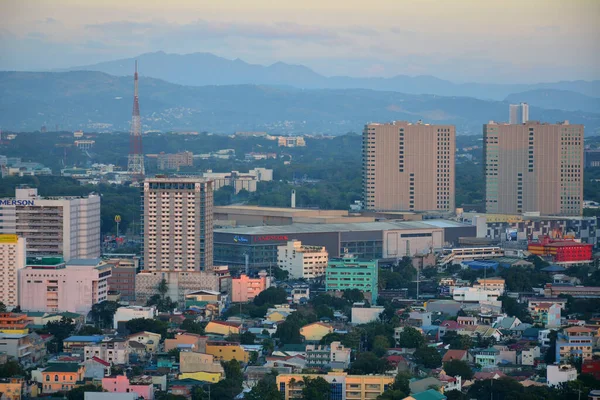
(244, 288)
(120, 384)
(50, 285)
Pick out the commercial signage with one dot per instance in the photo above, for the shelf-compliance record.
(13, 202)
(270, 238)
(8, 239)
(240, 239)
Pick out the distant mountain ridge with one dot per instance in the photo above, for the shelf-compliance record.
(95, 101)
(201, 69)
(557, 99)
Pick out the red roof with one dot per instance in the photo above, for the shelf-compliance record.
(449, 324)
(395, 359)
(101, 361)
(454, 355)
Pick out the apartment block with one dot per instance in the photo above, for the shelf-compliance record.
(574, 342)
(122, 279)
(351, 272)
(67, 227)
(342, 385)
(178, 224)
(518, 113)
(534, 167)
(408, 166)
(52, 285)
(174, 161)
(245, 288)
(302, 261)
(12, 259)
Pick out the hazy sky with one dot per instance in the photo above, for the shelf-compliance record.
(460, 40)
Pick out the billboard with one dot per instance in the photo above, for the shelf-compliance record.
(511, 234)
(8, 239)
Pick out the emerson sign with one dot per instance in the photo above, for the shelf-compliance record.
(14, 202)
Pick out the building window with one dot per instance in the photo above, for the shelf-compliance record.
(55, 378)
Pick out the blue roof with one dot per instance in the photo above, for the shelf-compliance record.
(93, 338)
(481, 264)
(554, 268)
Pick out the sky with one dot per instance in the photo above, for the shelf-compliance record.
(503, 41)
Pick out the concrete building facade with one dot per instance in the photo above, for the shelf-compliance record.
(408, 167)
(68, 227)
(534, 167)
(351, 272)
(13, 252)
(245, 288)
(302, 261)
(518, 113)
(74, 286)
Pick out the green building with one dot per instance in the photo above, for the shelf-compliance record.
(350, 272)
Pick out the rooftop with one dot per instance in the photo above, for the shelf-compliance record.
(84, 262)
(62, 367)
(348, 227)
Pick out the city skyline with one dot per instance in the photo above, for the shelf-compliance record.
(469, 42)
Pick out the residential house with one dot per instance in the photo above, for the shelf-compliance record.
(16, 389)
(210, 302)
(420, 385)
(297, 362)
(96, 368)
(113, 350)
(199, 366)
(277, 315)
(505, 355)
(121, 384)
(363, 315)
(486, 357)
(429, 394)
(253, 374)
(418, 319)
(316, 331)
(198, 342)
(223, 328)
(18, 346)
(547, 314)
(450, 382)
(576, 341)
(507, 323)
(226, 351)
(76, 344)
(461, 355)
(124, 314)
(150, 340)
(471, 321)
(528, 356)
(61, 377)
(398, 363)
(557, 374)
(14, 323)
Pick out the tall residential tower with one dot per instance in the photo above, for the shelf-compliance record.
(534, 167)
(408, 167)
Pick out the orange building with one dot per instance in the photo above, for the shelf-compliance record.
(244, 288)
(62, 377)
(14, 323)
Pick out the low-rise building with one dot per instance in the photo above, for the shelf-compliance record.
(122, 279)
(201, 367)
(320, 356)
(211, 301)
(557, 374)
(486, 357)
(76, 344)
(363, 315)
(474, 294)
(62, 377)
(547, 315)
(14, 323)
(244, 288)
(574, 342)
(149, 340)
(224, 328)
(302, 261)
(96, 368)
(197, 342)
(300, 294)
(114, 350)
(316, 331)
(226, 351)
(124, 314)
(17, 345)
(343, 386)
(528, 356)
(121, 384)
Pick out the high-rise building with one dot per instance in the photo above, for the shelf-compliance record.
(12, 259)
(67, 227)
(178, 224)
(534, 167)
(518, 113)
(135, 160)
(408, 166)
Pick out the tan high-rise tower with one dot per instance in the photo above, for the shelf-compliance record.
(534, 167)
(408, 166)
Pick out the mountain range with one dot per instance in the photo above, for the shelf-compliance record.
(96, 101)
(201, 69)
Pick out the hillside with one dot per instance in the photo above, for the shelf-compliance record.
(201, 69)
(557, 99)
(101, 102)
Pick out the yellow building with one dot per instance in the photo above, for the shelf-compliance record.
(315, 331)
(277, 316)
(222, 328)
(213, 377)
(343, 386)
(11, 389)
(150, 340)
(226, 351)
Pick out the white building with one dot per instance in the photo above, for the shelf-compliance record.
(299, 293)
(302, 261)
(124, 314)
(68, 227)
(54, 286)
(12, 259)
(528, 356)
(114, 351)
(473, 294)
(240, 180)
(491, 284)
(362, 315)
(560, 373)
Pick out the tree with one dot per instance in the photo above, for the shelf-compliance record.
(271, 296)
(163, 303)
(191, 326)
(89, 330)
(392, 395)
(459, 368)
(550, 355)
(247, 338)
(368, 363)
(428, 357)
(411, 338)
(160, 395)
(103, 313)
(145, 324)
(265, 389)
(402, 382)
(60, 330)
(457, 341)
(11, 368)
(455, 395)
(353, 295)
(315, 389)
(268, 346)
(323, 311)
(163, 288)
(380, 345)
(78, 393)
(2, 307)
